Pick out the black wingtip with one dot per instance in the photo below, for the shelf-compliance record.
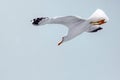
(97, 29)
(35, 21)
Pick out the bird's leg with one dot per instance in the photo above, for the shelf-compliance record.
(100, 22)
(61, 41)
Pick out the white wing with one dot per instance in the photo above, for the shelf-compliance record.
(72, 22)
(68, 21)
(73, 32)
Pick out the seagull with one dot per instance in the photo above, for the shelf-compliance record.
(75, 24)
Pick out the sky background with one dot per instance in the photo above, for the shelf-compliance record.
(30, 52)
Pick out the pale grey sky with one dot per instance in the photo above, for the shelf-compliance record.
(28, 52)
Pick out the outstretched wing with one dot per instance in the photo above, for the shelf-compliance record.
(68, 21)
(74, 32)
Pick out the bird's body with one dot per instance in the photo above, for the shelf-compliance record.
(75, 24)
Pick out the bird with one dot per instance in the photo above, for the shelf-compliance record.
(75, 24)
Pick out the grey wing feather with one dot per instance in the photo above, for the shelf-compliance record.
(68, 21)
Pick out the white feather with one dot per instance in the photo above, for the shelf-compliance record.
(75, 24)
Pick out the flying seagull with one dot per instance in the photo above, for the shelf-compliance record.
(75, 24)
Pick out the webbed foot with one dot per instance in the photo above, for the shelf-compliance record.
(61, 41)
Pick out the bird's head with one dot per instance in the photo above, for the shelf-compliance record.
(102, 21)
(99, 17)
